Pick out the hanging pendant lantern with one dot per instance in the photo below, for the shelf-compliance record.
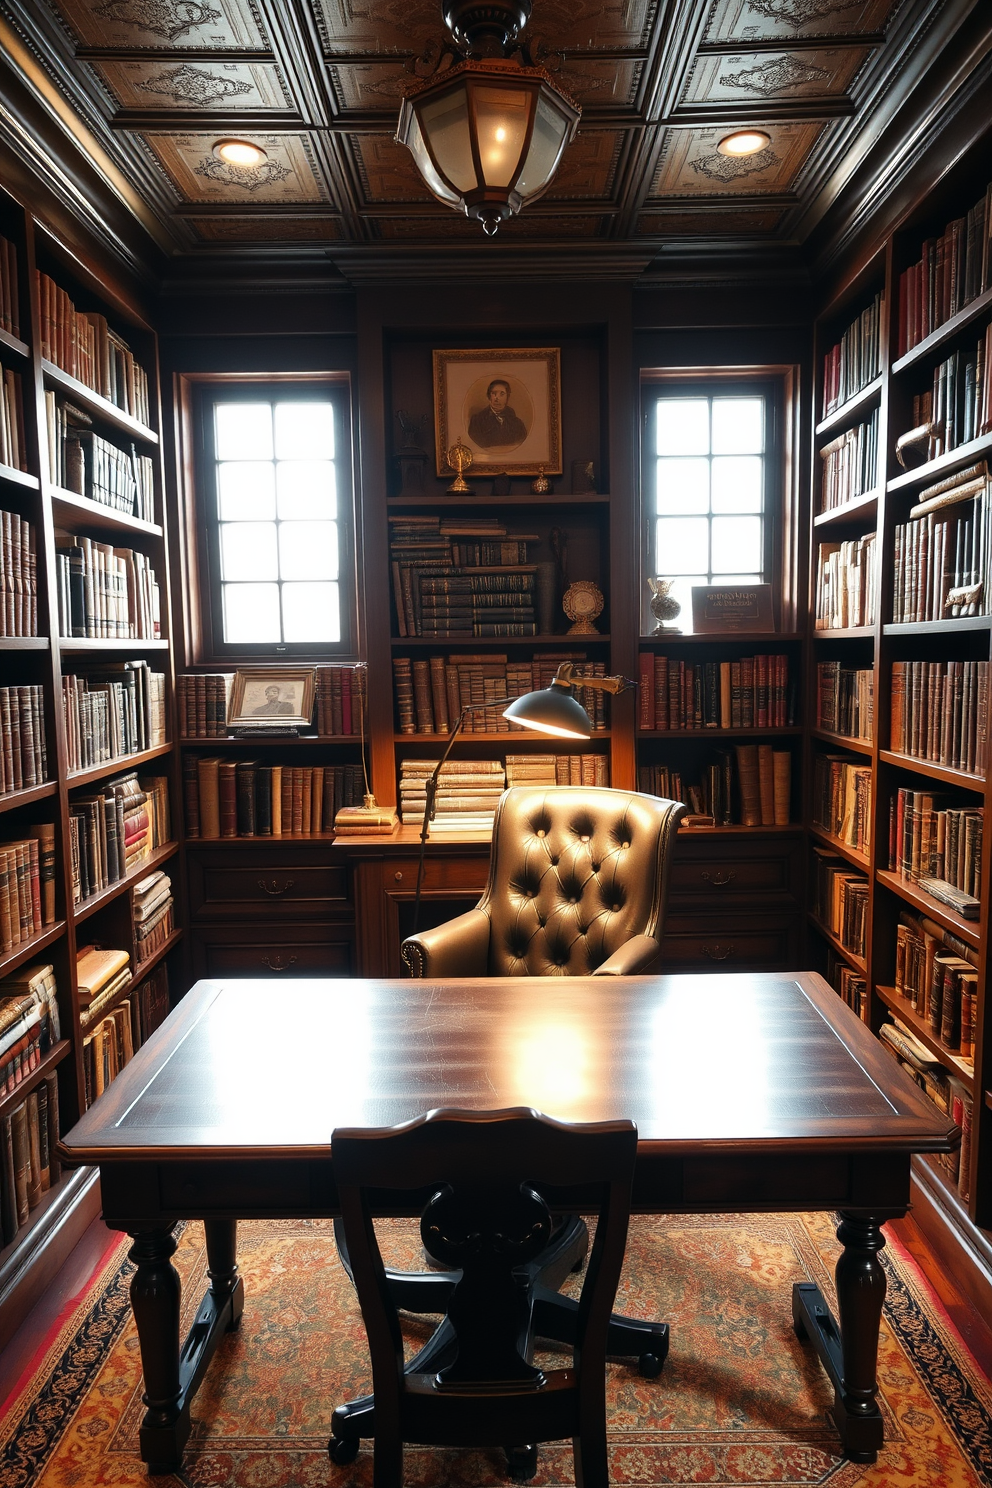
(487, 134)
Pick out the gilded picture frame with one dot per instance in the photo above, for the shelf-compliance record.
(266, 696)
(504, 404)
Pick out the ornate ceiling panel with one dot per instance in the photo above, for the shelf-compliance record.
(318, 84)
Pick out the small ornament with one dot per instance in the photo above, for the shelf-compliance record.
(541, 485)
(664, 606)
(501, 485)
(582, 603)
(459, 457)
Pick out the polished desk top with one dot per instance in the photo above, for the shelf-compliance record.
(255, 1069)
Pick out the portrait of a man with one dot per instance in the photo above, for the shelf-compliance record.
(497, 425)
(275, 705)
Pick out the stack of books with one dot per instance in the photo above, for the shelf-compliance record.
(840, 900)
(116, 711)
(23, 757)
(850, 463)
(106, 593)
(29, 1023)
(942, 552)
(431, 692)
(18, 577)
(461, 576)
(842, 799)
(937, 973)
(84, 462)
(82, 344)
(845, 584)
(27, 886)
(937, 845)
(467, 797)
(112, 831)
(152, 915)
(845, 700)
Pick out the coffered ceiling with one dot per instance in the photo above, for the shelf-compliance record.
(317, 83)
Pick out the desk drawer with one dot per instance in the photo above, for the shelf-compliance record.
(290, 951)
(730, 943)
(709, 872)
(268, 885)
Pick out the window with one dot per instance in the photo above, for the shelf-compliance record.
(276, 462)
(708, 474)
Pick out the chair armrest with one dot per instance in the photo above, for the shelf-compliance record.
(458, 948)
(633, 957)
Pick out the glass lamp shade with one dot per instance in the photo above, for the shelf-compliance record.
(487, 136)
(552, 710)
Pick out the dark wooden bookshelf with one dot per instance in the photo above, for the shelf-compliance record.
(24, 643)
(82, 512)
(116, 766)
(934, 470)
(924, 903)
(49, 1061)
(101, 408)
(932, 769)
(33, 946)
(843, 741)
(842, 849)
(852, 411)
(859, 509)
(851, 957)
(906, 1013)
(939, 338)
(89, 906)
(13, 800)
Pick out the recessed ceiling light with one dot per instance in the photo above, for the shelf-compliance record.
(239, 152)
(744, 142)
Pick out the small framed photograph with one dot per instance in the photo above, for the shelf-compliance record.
(721, 608)
(273, 696)
(503, 405)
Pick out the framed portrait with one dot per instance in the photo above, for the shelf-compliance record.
(503, 405)
(273, 695)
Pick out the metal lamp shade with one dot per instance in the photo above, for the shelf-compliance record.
(552, 710)
(488, 136)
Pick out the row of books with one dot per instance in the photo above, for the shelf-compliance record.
(557, 769)
(432, 691)
(842, 800)
(855, 360)
(944, 1089)
(152, 915)
(499, 602)
(956, 409)
(23, 755)
(478, 540)
(18, 576)
(850, 984)
(938, 711)
(27, 886)
(249, 798)
(439, 594)
(840, 900)
(845, 700)
(29, 1163)
(104, 592)
(942, 552)
(203, 701)
(10, 318)
(937, 845)
(850, 464)
(114, 1037)
(953, 270)
(845, 583)
(13, 443)
(467, 795)
(754, 789)
(82, 344)
(937, 973)
(82, 461)
(754, 692)
(117, 711)
(29, 1023)
(114, 829)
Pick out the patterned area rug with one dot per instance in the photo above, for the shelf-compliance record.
(740, 1402)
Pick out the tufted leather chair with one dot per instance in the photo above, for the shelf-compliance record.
(577, 887)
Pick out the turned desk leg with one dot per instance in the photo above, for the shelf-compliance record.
(849, 1353)
(222, 1267)
(155, 1297)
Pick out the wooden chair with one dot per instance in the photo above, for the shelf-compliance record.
(489, 1177)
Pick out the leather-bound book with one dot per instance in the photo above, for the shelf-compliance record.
(766, 784)
(277, 800)
(263, 800)
(747, 770)
(8, 1184)
(45, 833)
(782, 775)
(22, 1162)
(54, 1165)
(246, 772)
(227, 789)
(208, 776)
(34, 1151)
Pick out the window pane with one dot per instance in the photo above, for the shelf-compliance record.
(736, 544)
(683, 426)
(311, 612)
(304, 431)
(737, 481)
(738, 426)
(248, 550)
(251, 612)
(683, 487)
(683, 545)
(243, 431)
(308, 550)
(306, 488)
(245, 491)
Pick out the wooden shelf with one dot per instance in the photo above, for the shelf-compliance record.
(943, 333)
(267, 840)
(113, 767)
(88, 643)
(907, 1014)
(856, 510)
(736, 637)
(912, 893)
(720, 733)
(101, 408)
(933, 770)
(848, 412)
(10, 342)
(11, 800)
(271, 741)
(15, 477)
(842, 741)
(24, 643)
(49, 1061)
(156, 858)
(144, 968)
(851, 854)
(29, 948)
(922, 475)
(470, 500)
(550, 744)
(736, 829)
(94, 514)
(938, 627)
(849, 633)
(498, 643)
(852, 957)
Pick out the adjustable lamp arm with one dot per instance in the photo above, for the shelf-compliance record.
(564, 677)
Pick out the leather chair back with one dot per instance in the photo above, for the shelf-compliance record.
(575, 872)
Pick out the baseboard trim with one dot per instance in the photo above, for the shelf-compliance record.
(32, 1265)
(961, 1249)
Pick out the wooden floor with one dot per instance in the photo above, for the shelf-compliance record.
(75, 1274)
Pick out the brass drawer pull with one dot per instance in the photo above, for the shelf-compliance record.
(716, 878)
(274, 888)
(718, 952)
(279, 965)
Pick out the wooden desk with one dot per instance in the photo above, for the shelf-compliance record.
(750, 1093)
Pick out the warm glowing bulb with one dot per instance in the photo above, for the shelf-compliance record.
(501, 134)
(744, 142)
(239, 152)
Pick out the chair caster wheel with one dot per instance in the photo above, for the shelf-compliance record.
(521, 1463)
(342, 1451)
(649, 1366)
